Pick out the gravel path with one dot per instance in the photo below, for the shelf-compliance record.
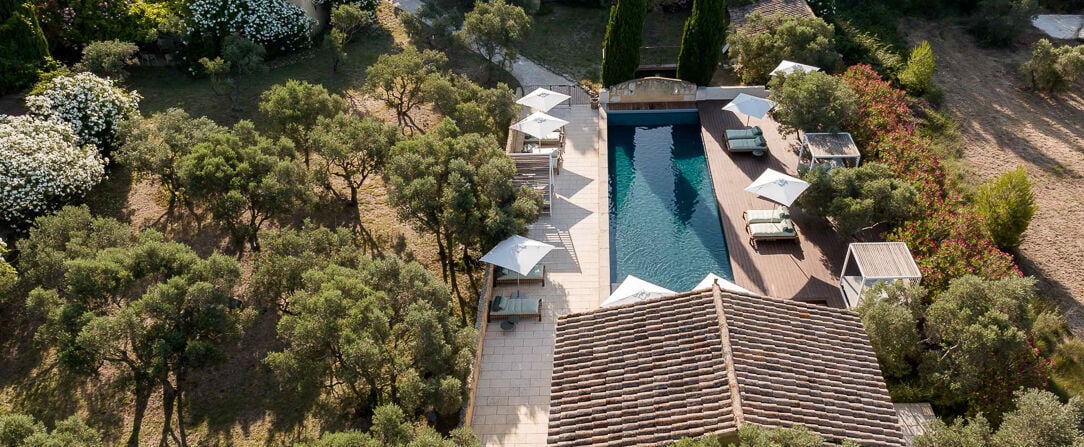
(526, 71)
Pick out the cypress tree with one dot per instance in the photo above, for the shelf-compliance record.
(624, 35)
(22, 45)
(702, 40)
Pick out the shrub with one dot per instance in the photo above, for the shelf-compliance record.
(972, 432)
(917, 77)
(277, 25)
(92, 106)
(42, 165)
(951, 243)
(981, 329)
(20, 430)
(701, 41)
(858, 198)
(763, 41)
(812, 102)
(23, 49)
(1041, 419)
(893, 331)
(882, 109)
(621, 46)
(1006, 205)
(1053, 69)
(108, 58)
(71, 24)
(999, 22)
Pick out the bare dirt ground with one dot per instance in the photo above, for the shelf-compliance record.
(1005, 126)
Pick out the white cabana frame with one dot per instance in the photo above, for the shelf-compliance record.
(834, 148)
(870, 263)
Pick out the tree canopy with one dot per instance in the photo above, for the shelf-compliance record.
(295, 107)
(152, 309)
(352, 148)
(858, 198)
(812, 102)
(382, 333)
(758, 46)
(495, 28)
(399, 80)
(459, 188)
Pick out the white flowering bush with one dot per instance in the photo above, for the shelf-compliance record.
(91, 105)
(278, 25)
(42, 166)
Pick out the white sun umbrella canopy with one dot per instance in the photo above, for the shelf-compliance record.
(778, 187)
(788, 67)
(750, 106)
(542, 100)
(724, 284)
(518, 254)
(539, 125)
(634, 289)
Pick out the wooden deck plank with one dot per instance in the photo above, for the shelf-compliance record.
(806, 271)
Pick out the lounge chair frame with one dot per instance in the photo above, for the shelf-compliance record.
(754, 239)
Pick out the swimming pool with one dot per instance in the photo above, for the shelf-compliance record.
(664, 220)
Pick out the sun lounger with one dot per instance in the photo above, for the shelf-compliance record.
(554, 138)
(504, 307)
(537, 274)
(766, 216)
(755, 145)
(747, 133)
(777, 231)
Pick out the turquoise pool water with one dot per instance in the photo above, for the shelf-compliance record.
(664, 220)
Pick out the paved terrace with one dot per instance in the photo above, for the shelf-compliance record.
(513, 385)
(807, 271)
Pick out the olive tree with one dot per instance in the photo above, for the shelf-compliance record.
(392, 428)
(384, 334)
(812, 102)
(244, 179)
(278, 269)
(295, 107)
(459, 188)
(859, 198)
(475, 109)
(153, 147)
(888, 315)
(346, 20)
(240, 58)
(759, 44)
(495, 28)
(153, 310)
(352, 148)
(981, 331)
(399, 80)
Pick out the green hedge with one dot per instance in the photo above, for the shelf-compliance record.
(23, 49)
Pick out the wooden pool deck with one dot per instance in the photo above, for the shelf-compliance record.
(806, 271)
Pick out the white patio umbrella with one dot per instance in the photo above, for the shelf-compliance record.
(542, 100)
(539, 125)
(724, 284)
(750, 106)
(634, 289)
(518, 254)
(788, 67)
(777, 186)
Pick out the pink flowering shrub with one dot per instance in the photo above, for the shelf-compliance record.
(946, 237)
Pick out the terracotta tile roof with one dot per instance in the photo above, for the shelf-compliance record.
(705, 362)
(798, 8)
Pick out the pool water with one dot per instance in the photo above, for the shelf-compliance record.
(664, 220)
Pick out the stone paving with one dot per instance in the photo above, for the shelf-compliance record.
(513, 389)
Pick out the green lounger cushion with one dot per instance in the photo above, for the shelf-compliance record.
(767, 216)
(516, 306)
(744, 134)
(757, 143)
(772, 230)
(536, 274)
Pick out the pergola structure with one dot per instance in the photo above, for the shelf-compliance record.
(870, 263)
(833, 148)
